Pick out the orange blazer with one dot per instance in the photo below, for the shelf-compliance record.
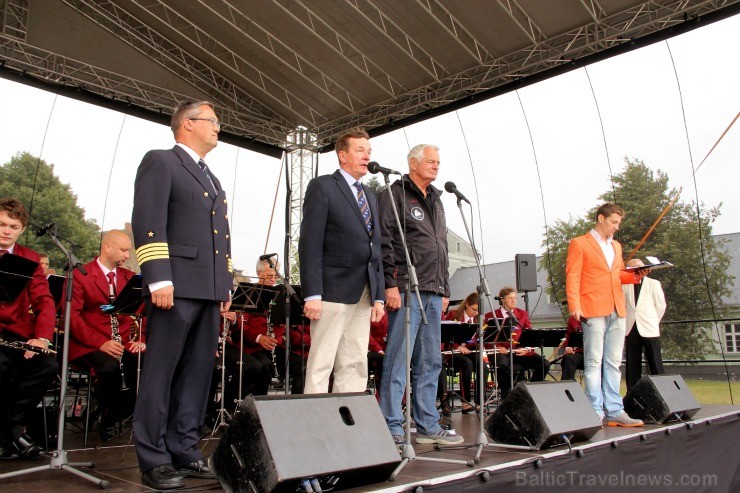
(590, 285)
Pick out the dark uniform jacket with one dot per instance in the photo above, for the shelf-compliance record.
(426, 237)
(181, 230)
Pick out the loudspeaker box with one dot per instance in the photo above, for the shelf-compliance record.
(276, 443)
(661, 399)
(526, 272)
(542, 414)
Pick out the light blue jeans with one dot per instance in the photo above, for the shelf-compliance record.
(603, 341)
(426, 361)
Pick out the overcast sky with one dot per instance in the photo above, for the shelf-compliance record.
(637, 95)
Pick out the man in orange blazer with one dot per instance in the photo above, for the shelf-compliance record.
(593, 283)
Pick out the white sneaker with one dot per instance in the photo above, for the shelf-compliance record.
(442, 437)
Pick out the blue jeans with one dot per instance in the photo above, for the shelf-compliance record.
(603, 341)
(426, 361)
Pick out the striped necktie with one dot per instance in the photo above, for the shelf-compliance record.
(364, 208)
(204, 168)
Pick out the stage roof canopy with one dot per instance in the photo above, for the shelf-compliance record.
(326, 65)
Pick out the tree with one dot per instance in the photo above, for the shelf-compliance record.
(375, 185)
(644, 194)
(32, 181)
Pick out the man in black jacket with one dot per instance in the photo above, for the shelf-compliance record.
(423, 217)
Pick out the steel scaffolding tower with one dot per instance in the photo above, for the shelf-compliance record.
(301, 161)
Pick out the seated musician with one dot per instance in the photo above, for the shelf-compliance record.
(260, 344)
(44, 257)
(461, 358)
(572, 359)
(92, 343)
(24, 375)
(376, 350)
(523, 358)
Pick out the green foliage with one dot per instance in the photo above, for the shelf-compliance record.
(53, 201)
(644, 194)
(375, 185)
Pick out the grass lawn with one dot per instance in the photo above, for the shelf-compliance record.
(709, 391)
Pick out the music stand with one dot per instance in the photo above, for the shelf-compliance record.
(56, 287)
(280, 312)
(15, 274)
(455, 333)
(251, 298)
(128, 301)
(541, 338)
(575, 340)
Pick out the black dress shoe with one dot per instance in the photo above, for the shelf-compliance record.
(197, 469)
(21, 448)
(108, 433)
(163, 477)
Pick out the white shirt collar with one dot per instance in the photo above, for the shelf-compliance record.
(104, 268)
(194, 155)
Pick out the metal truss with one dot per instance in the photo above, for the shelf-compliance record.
(15, 19)
(544, 53)
(254, 118)
(301, 160)
(255, 105)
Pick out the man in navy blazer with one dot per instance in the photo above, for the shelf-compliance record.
(341, 270)
(181, 232)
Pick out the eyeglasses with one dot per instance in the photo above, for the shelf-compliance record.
(213, 121)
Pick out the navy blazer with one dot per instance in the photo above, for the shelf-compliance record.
(180, 229)
(337, 256)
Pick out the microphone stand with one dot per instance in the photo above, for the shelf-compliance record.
(482, 289)
(59, 459)
(412, 283)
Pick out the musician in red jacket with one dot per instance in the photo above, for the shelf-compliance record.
(376, 350)
(524, 358)
(92, 345)
(461, 358)
(259, 344)
(24, 375)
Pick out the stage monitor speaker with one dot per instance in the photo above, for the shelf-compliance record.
(526, 272)
(276, 443)
(661, 399)
(543, 414)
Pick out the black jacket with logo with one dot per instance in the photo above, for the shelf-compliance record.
(423, 219)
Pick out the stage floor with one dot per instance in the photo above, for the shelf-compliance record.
(700, 457)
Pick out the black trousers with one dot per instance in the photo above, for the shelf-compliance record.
(375, 367)
(297, 368)
(539, 366)
(569, 364)
(634, 345)
(114, 403)
(23, 383)
(173, 393)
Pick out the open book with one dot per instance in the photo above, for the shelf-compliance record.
(651, 263)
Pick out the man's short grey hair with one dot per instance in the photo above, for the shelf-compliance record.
(418, 151)
(185, 111)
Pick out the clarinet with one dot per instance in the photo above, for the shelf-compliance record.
(24, 346)
(116, 336)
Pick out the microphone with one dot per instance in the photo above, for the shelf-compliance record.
(452, 188)
(269, 255)
(44, 229)
(375, 168)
